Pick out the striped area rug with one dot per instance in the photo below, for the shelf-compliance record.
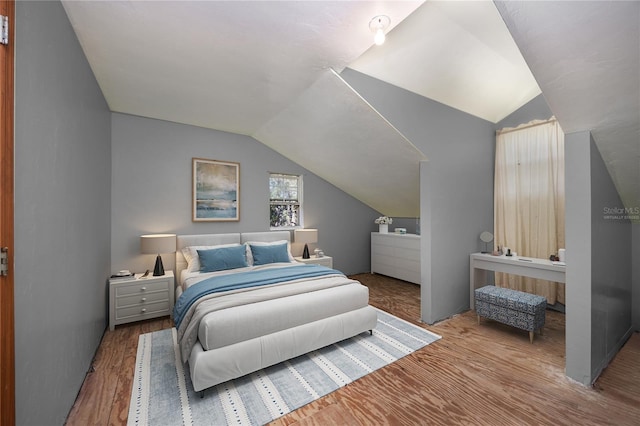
(162, 393)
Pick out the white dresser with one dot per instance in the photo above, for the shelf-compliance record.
(396, 255)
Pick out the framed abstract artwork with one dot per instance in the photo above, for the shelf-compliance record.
(216, 190)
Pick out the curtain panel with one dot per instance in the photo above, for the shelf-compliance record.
(529, 199)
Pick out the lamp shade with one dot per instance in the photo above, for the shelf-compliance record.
(307, 236)
(157, 243)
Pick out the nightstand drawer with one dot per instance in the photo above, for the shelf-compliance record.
(140, 287)
(143, 310)
(324, 261)
(142, 298)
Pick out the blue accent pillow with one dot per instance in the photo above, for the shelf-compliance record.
(273, 253)
(223, 258)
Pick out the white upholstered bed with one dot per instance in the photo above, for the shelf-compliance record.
(228, 328)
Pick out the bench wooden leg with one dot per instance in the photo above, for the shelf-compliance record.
(541, 331)
(531, 336)
(478, 319)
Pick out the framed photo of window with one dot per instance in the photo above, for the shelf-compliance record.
(216, 190)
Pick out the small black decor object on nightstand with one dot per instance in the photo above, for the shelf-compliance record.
(306, 236)
(157, 244)
(158, 269)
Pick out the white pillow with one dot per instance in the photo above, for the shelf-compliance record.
(191, 255)
(270, 243)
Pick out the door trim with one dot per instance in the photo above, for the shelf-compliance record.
(7, 322)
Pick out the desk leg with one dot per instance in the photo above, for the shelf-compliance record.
(477, 278)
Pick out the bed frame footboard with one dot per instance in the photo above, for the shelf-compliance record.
(209, 368)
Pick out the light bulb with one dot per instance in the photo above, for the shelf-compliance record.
(377, 25)
(379, 37)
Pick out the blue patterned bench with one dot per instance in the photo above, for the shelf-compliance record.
(522, 310)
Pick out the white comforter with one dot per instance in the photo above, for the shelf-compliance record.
(188, 330)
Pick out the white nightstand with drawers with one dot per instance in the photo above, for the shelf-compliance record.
(135, 299)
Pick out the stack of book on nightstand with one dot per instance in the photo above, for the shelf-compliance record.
(123, 274)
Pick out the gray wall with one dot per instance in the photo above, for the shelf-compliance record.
(151, 193)
(579, 253)
(457, 179)
(611, 268)
(598, 318)
(62, 209)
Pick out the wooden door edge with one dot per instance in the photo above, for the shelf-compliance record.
(7, 322)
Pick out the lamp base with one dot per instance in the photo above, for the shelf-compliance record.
(305, 253)
(158, 270)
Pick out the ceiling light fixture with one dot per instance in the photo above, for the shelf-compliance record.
(378, 25)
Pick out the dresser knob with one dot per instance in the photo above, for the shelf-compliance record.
(144, 299)
(143, 288)
(143, 310)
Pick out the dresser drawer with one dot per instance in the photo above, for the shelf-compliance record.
(382, 250)
(407, 241)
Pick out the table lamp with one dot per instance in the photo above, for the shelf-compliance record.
(156, 244)
(306, 236)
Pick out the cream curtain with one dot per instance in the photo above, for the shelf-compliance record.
(529, 199)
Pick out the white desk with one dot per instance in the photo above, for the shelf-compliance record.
(480, 263)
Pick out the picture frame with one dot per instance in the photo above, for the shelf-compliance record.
(215, 190)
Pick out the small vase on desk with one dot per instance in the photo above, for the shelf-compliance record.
(384, 228)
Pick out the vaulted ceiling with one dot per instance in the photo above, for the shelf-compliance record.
(270, 70)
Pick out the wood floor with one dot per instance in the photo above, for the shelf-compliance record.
(487, 374)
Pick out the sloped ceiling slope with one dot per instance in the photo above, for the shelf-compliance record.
(225, 65)
(253, 67)
(354, 135)
(586, 59)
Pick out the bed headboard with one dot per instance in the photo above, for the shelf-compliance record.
(265, 236)
(183, 241)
